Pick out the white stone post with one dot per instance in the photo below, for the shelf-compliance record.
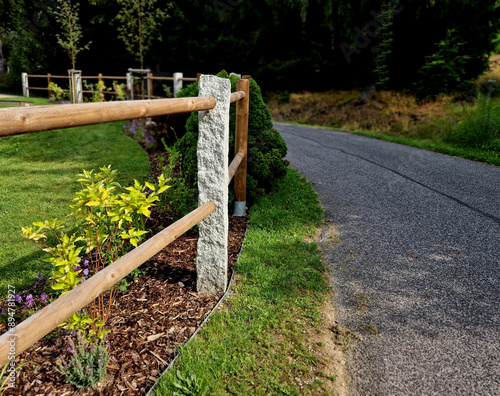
(130, 85)
(78, 87)
(213, 151)
(24, 78)
(177, 83)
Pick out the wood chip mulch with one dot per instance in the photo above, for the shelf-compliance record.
(158, 312)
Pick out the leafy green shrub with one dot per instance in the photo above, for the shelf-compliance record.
(97, 90)
(120, 89)
(266, 148)
(87, 364)
(112, 221)
(479, 127)
(57, 93)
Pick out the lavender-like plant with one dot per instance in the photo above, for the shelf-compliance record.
(86, 365)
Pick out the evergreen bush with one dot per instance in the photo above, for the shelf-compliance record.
(266, 165)
(447, 70)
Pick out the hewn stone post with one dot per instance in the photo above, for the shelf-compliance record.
(78, 88)
(24, 79)
(177, 83)
(213, 151)
(130, 85)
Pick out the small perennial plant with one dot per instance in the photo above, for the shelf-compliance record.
(86, 365)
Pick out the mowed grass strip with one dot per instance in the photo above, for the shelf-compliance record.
(257, 343)
(38, 175)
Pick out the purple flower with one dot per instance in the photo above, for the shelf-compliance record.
(29, 300)
(77, 268)
(72, 351)
(3, 311)
(40, 277)
(86, 263)
(18, 298)
(43, 296)
(86, 271)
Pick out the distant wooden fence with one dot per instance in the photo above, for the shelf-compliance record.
(214, 177)
(177, 79)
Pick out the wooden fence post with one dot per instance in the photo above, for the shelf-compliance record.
(213, 151)
(177, 83)
(241, 139)
(71, 87)
(24, 78)
(48, 83)
(150, 85)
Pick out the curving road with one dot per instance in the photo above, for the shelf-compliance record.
(417, 273)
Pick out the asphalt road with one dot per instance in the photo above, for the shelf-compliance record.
(416, 276)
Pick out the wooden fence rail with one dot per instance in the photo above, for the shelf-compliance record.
(43, 118)
(16, 121)
(45, 320)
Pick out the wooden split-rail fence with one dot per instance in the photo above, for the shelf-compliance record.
(214, 99)
(75, 78)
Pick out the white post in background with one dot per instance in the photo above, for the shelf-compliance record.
(24, 78)
(177, 83)
(78, 88)
(213, 151)
(130, 85)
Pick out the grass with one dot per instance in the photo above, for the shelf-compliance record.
(38, 180)
(474, 154)
(258, 342)
(394, 117)
(37, 101)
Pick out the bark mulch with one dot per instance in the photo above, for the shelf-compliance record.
(158, 312)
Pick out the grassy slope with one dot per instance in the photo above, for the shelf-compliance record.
(489, 157)
(38, 180)
(389, 116)
(258, 342)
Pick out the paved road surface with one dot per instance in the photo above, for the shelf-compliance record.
(417, 274)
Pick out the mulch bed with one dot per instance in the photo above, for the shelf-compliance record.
(158, 312)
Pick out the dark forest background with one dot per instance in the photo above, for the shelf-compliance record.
(293, 45)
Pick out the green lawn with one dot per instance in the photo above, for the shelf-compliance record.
(258, 343)
(36, 101)
(38, 175)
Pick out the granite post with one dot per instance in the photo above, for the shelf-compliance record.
(213, 152)
(177, 83)
(24, 79)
